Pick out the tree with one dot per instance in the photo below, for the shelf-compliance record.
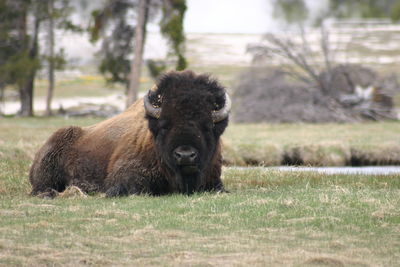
(12, 54)
(57, 16)
(294, 11)
(136, 66)
(172, 29)
(20, 54)
(50, 10)
(38, 11)
(365, 9)
(26, 56)
(120, 36)
(290, 10)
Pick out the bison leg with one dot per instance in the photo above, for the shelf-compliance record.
(122, 184)
(48, 173)
(117, 191)
(214, 184)
(120, 189)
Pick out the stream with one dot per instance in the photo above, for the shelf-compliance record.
(366, 170)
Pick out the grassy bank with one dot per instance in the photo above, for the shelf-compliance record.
(313, 144)
(251, 144)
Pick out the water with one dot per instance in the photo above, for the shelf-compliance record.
(367, 170)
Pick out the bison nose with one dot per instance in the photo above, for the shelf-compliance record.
(185, 155)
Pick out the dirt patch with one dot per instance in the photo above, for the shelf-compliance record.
(73, 192)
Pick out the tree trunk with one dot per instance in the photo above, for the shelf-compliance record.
(22, 36)
(2, 111)
(26, 91)
(136, 65)
(51, 59)
(21, 25)
(26, 97)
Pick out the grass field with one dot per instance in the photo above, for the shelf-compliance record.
(268, 218)
(94, 85)
(252, 144)
(313, 144)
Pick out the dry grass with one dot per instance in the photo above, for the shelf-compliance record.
(269, 218)
(153, 247)
(313, 144)
(251, 144)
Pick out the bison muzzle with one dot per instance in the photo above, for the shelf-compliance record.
(167, 142)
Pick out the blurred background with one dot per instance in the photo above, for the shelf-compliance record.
(281, 60)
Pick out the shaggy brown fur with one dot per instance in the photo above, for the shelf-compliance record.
(123, 156)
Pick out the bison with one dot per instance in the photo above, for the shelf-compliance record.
(166, 142)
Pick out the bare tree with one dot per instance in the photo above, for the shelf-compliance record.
(297, 56)
(350, 87)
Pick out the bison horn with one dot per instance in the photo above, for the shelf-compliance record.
(151, 110)
(154, 88)
(222, 114)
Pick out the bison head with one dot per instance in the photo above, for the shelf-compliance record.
(187, 113)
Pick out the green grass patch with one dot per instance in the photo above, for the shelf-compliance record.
(83, 86)
(86, 86)
(268, 218)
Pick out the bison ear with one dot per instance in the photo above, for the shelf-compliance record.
(222, 113)
(152, 103)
